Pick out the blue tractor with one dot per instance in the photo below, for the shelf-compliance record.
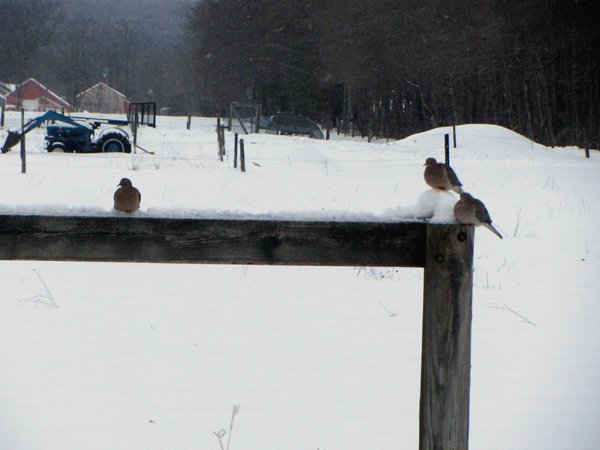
(78, 134)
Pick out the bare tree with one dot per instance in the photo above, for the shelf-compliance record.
(26, 30)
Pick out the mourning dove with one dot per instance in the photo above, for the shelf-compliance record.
(471, 211)
(441, 176)
(127, 198)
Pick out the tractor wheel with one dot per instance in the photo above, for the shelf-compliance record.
(113, 143)
(57, 147)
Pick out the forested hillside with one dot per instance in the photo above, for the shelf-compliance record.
(385, 67)
(69, 45)
(397, 67)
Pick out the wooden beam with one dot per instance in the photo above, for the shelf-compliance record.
(445, 251)
(163, 240)
(446, 347)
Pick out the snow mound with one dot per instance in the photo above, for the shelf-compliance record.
(481, 141)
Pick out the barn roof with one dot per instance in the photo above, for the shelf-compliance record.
(6, 88)
(48, 94)
(96, 86)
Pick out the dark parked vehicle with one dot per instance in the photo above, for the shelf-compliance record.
(291, 123)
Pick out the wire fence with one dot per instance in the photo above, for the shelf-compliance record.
(384, 159)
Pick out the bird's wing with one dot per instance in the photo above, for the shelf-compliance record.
(452, 176)
(481, 212)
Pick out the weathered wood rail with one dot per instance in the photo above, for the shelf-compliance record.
(444, 251)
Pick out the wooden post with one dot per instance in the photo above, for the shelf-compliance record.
(454, 136)
(189, 121)
(446, 345)
(2, 117)
(242, 156)
(587, 151)
(235, 151)
(222, 130)
(136, 121)
(230, 116)
(447, 148)
(23, 149)
(219, 143)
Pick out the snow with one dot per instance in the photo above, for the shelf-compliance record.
(141, 356)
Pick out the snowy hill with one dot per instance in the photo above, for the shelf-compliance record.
(139, 356)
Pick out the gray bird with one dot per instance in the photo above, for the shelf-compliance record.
(471, 211)
(441, 176)
(127, 198)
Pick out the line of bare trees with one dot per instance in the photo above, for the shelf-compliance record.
(393, 67)
(386, 68)
(135, 46)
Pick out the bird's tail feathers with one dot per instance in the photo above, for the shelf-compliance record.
(493, 229)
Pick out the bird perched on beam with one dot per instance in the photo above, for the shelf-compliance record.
(441, 176)
(471, 211)
(127, 198)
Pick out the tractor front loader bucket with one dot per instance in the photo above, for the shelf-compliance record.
(12, 139)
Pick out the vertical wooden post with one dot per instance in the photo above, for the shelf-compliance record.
(189, 121)
(219, 143)
(2, 117)
(587, 151)
(447, 148)
(454, 136)
(235, 151)
(242, 156)
(446, 347)
(23, 150)
(136, 122)
(229, 119)
(222, 131)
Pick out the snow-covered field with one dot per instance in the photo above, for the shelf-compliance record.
(140, 356)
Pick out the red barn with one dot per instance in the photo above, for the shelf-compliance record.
(31, 95)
